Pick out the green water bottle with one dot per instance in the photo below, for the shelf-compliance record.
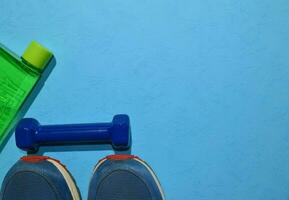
(18, 78)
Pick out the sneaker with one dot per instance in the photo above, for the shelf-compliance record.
(124, 177)
(39, 178)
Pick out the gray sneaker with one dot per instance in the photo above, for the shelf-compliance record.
(38, 178)
(124, 177)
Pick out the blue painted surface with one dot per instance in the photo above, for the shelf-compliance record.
(206, 84)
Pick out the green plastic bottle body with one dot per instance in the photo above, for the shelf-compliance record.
(17, 80)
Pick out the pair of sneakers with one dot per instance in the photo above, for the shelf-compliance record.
(115, 177)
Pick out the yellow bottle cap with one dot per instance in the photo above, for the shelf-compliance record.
(37, 55)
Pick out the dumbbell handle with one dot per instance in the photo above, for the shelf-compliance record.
(94, 132)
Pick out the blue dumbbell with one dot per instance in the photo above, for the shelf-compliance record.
(30, 135)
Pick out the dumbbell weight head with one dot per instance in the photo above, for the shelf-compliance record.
(26, 131)
(120, 134)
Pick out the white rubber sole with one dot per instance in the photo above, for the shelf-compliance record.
(69, 180)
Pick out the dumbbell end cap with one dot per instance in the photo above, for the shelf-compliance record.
(121, 134)
(25, 134)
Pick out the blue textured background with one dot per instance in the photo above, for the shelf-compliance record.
(206, 84)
